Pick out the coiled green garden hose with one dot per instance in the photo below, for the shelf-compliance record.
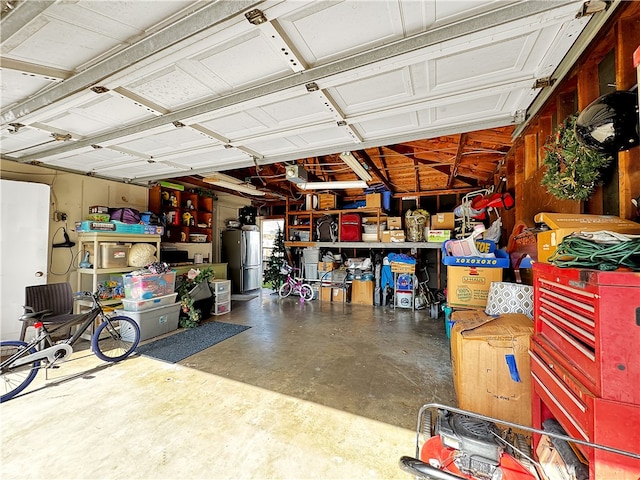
(578, 252)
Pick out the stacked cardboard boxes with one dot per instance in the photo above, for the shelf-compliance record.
(491, 369)
(469, 278)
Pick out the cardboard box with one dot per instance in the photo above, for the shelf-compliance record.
(552, 466)
(396, 236)
(385, 236)
(338, 294)
(491, 368)
(373, 200)
(329, 294)
(394, 223)
(443, 221)
(325, 294)
(563, 224)
(452, 250)
(438, 235)
(362, 292)
(325, 269)
(468, 285)
(326, 266)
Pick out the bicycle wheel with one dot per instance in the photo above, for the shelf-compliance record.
(16, 379)
(115, 339)
(285, 290)
(306, 291)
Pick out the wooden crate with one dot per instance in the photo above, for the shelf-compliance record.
(398, 267)
(327, 201)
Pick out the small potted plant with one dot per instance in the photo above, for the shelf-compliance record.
(195, 295)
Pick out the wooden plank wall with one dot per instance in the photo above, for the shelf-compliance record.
(578, 90)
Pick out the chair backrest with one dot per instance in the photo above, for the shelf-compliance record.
(57, 297)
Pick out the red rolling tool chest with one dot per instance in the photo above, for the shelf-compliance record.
(585, 362)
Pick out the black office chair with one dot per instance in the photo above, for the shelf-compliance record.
(51, 304)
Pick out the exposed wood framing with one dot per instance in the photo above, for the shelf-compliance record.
(457, 159)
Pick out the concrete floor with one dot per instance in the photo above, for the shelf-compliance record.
(313, 390)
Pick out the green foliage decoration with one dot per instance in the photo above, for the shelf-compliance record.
(573, 171)
(190, 316)
(273, 276)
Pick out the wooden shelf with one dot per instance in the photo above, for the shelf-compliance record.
(369, 245)
(183, 212)
(90, 241)
(308, 218)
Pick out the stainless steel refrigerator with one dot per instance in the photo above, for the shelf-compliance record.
(241, 250)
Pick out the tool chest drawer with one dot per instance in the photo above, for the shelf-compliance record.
(569, 400)
(616, 425)
(593, 318)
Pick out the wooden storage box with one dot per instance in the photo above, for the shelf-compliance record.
(373, 200)
(327, 201)
(399, 267)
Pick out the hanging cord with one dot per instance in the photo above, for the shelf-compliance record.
(599, 250)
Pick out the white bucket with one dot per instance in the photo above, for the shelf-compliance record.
(403, 299)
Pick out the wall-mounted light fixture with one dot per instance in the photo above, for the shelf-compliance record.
(356, 166)
(224, 181)
(332, 185)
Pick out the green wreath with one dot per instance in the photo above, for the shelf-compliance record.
(573, 171)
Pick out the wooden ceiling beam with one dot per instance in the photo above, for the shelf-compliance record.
(457, 159)
(385, 166)
(376, 171)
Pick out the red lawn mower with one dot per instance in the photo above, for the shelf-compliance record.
(454, 444)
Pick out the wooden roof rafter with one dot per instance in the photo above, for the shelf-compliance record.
(376, 171)
(457, 159)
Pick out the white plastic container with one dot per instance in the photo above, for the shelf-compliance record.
(114, 255)
(311, 255)
(155, 321)
(404, 299)
(221, 308)
(132, 305)
(223, 297)
(311, 271)
(220, 286)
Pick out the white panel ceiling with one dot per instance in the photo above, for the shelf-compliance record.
(156, 90)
